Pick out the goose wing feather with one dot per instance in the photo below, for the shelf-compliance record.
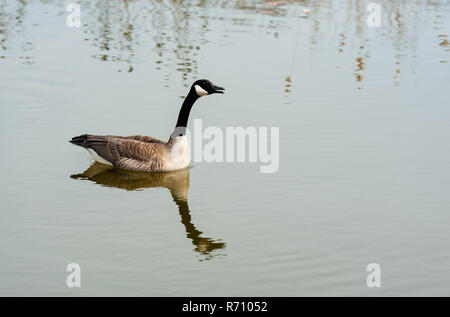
(130, 153)
(142, 138)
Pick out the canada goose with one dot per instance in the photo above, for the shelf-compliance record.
(176, 181)
(143, 153)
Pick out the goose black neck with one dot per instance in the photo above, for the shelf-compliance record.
(185, 110)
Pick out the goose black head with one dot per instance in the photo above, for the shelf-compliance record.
(203, 87)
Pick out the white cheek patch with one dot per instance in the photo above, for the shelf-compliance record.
(200, 91)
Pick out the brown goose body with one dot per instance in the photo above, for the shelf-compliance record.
(143, 153)
(137, 153)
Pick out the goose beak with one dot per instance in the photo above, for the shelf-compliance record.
(217, 90)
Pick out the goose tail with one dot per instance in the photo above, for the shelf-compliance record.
(80, 140)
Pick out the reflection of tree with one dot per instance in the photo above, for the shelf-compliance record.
(12, 28)
(178, 184)
(110, 27)
(175, 38)
(179, 29)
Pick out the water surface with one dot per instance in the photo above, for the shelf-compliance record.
(364, 149)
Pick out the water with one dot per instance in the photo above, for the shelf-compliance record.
(364, 126)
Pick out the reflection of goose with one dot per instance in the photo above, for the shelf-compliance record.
(178, 184)
(143, 153)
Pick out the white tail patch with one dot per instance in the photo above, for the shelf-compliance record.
(98, 158)
(200, 91)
